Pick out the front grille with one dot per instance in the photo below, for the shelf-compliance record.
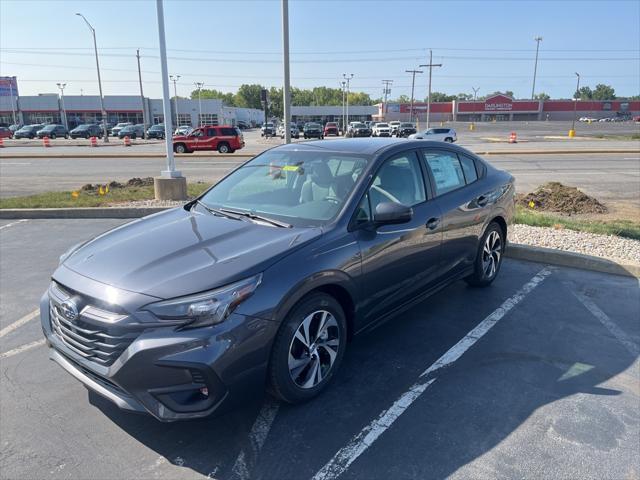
(85, 335)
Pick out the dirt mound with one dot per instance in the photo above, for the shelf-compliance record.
(140, 182)
(134, 182)
(555, 197)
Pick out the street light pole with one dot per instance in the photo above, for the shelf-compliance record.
(199, 86)
(95, 48)
(348, 79)
(144, 115)
(13, 109)
(430, 65)
(572, 133)
(64, 112)
(286, 94)
(386, 92)
(174, 79)
(535, 66)
(413, 83)
(344, 126)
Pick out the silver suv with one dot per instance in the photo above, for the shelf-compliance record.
(437, 134)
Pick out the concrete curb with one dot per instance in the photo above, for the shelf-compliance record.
(514, 250)
(570, 259)
(214, 155)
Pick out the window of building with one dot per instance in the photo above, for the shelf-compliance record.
(446, 170)
(42, 117)
(158, 119)
(133, 117)
(184, 119)
(209, 119)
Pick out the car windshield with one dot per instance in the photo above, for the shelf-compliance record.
(312, 125)
(382, 125)
(302, 188)
(85, 126)
(406, 125)
(122, 125)
(50, 127)
(331, 124)
(359, 125)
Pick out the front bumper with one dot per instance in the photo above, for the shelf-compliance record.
(163, 371)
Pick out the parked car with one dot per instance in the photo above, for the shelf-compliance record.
(254, 283)
(268, 130)
(116, 130)
(15, 127)
(405, 129)
(295, 133)
(436, 134)
(109, 126)
(5, 132)
(394, 127)
(183, 130)
(313, 130)
(86, 130)
(331, 128)
(53, 131)
(224, 139)
(636, 119)
(132, 131)
(381, 130)
(156, 131)
(28, 131)
(359, 129)
(242, 125)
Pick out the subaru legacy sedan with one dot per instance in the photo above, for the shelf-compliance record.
(263, 279)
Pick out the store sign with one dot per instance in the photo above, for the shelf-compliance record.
(498, 107)
(8, 86)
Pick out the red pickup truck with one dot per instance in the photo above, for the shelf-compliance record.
(225, 139)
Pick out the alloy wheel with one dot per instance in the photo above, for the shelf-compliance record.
(491, 254)
(313, 349)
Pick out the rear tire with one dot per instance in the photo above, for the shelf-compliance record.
(448, 140)
(489, 257)
(53, 136)
(302, 365)
(223, 148)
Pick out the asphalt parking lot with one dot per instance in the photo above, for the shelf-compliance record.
(537, 376)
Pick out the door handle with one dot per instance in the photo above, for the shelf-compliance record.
(433, 223)
(482, 200)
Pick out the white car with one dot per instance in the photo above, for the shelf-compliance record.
(183, 130)
(437, 134)
(293, 128)
(381, 130)
(394, 127)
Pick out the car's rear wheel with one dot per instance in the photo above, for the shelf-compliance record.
(53, 136)
(448, 140)
(87, 136)
(308, 349)
(489, 257)
(223, 148)
(66, 136)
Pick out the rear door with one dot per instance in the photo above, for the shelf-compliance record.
(398, 261)
(463, 202)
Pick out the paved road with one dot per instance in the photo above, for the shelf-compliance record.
(612, 178)
(551, 391)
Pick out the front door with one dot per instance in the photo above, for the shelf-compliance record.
(398, 261)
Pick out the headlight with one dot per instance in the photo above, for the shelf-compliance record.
(208, 308)
(69, 252)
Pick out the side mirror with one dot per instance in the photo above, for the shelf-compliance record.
(392, 213)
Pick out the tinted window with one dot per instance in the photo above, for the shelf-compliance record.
(446, 170)
(399, 180)
(469, 169)
(211, 132)
(228, 132)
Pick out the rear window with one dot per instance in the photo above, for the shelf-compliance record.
(228, 132)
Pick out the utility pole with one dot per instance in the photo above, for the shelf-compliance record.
(144, 114)
(344, 127)
(286, 91)
(348, 79)
(174, 79)
(430, 65)
(535, 66)
(199, 86)
(64, 111)
(413, 83)
(13, 108)
(95, 48)
(576, 96)
(386, 91)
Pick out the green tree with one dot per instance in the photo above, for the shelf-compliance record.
(604, 92)
(206, 93)
(441, 97)
(359, 98)
(276, 108)
(248, 96)
(541, 96)
(585, 93)
(403, 99)
(464, 96)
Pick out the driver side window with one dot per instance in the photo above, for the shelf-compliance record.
(399, 180)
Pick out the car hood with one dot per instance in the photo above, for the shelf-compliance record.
(180, 252)
(180, 137)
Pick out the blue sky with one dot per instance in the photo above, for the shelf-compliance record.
(482, 44)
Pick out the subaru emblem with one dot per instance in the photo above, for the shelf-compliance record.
(69, 310)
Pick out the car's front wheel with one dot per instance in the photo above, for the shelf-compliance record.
(489, 257)
(308, 349)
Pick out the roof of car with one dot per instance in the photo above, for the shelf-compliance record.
(368, 146)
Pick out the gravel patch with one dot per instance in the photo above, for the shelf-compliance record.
(605, 246)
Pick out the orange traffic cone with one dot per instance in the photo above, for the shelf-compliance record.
(94, 142)
(513, 138)
(127, 141)
(45, 142)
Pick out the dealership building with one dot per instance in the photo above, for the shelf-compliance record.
(503, 108)
(51, 108)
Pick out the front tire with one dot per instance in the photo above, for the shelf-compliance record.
(181, 148)
(489, 257)
(308, 348)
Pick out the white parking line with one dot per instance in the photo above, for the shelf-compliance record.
(13, 224)
(18, 323)
(247, 458)
(363, 440)
(22, 348)
(609, 324)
